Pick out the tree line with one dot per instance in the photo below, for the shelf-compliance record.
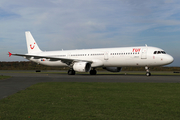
(28, 65)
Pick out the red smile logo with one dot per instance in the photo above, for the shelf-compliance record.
(32, 47)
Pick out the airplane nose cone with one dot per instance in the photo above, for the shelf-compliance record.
(169, 59)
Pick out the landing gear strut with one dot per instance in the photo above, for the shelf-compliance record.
(93, 72)
(71, 72)
(147, 71)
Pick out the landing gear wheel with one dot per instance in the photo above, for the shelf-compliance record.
(148, 74)
(93, 72)
(71, 72)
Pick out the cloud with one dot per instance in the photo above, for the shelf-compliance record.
(169, 1)
(90, 16)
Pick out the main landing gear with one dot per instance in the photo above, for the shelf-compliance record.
(71, 72)
(147, 71)
(93, 72)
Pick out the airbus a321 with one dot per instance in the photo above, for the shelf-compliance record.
(87, 60)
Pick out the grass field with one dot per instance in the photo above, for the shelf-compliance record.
(94, 101)
(4, 77)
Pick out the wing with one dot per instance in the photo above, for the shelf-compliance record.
(68, 61)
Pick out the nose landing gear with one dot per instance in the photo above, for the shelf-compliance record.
(147, 71)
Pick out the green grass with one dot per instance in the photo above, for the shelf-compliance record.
(94, 101)
(4, 77)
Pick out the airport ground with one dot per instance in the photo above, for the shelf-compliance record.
(157, 92)
(21, 79)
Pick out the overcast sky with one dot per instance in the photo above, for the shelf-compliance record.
(81, 24)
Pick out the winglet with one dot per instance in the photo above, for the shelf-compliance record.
(10, 54)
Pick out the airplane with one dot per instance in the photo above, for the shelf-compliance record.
(87, 60)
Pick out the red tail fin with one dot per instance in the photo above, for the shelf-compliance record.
(10, 54)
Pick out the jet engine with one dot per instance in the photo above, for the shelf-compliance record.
(113, 69)
(82, 66)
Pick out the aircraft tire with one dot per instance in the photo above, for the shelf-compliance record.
(93, 72)
(71, 72)
(148, 74)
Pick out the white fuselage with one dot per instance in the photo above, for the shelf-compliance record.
(110, 57)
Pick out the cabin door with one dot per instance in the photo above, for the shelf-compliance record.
(144, 53)
(69, 55)
(106, 56)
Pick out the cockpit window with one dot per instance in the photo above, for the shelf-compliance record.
(159, 52)
(163, 52)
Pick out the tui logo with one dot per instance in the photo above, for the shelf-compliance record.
(32, 46)
(136, 49)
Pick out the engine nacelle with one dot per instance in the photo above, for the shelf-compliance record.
(82, 66)
(113, 69)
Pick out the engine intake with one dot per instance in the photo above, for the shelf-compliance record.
(82, 66)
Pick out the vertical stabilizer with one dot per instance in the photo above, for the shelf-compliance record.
(32, 46)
